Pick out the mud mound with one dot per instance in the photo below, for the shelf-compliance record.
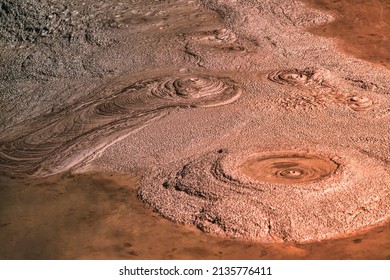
(359, 103)
(296, 77)
(288, 168)
(274, 195)
(198, 90)
(215, 42)
(318, 88)
(59, 143)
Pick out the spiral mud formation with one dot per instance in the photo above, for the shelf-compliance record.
(294, 77)
(289, 168)
(319, 89)
(360, 103)
(125, 106)
(272, 195)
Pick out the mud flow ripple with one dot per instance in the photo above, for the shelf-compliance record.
(54, 146)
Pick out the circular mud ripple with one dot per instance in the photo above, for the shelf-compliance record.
(296, 77)
(291, 77)
(298, 196)
(197, 91)
(359, 103)
(288, 168)
(56, 144)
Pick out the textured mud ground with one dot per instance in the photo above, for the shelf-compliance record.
(90, 216)
(237, 120)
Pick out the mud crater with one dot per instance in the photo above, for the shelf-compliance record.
(271, 196)
(288, 168)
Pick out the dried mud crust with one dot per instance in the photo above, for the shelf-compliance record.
(342, 193)
(58, 142)
(45, 20)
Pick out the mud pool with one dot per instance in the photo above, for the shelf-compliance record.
(194, 129)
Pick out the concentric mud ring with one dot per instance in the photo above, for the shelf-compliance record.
(288, 168)
(299, 196)
(122, 107)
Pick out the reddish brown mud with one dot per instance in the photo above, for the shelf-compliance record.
(288, 168)
(100, 217)
(253, 136)
(361, 27)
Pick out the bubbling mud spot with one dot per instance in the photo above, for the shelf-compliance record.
(272, 195)
(359, 103)
(289, 168)
(313, 100)
(292, 77)
(81, 132)
(318, 88)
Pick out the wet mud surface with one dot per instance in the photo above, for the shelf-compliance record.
(288, 168)
(250, 137)
(94, 216)
(360, 27)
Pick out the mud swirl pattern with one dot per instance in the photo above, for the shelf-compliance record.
(360, 103)
(272, 195)
(320, 88)
(289, 168)
(123, 107)
(294, 77)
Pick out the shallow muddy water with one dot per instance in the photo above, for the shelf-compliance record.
(361, 27)
(92, 216)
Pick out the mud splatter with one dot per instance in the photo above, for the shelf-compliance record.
(305, 101)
